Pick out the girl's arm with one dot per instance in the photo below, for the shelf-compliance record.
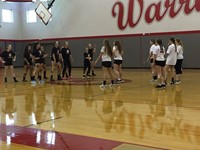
(26, 60)
(14, 58)
(2, 60)
(100, 55)
(71, 58)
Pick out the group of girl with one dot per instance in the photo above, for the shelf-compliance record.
(106, 55)
(61, 60)
(166, 64)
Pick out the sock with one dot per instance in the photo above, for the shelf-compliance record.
(5, 80)
(104, 82)
(154, 77)
(44, 74)
(51, 77)
(40, 77)
(15, 79)
(112, 81)
(172, 79)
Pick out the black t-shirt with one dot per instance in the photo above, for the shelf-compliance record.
(28, 57)
(8, 56)
(66, 53)
(86, 54)
(38, 54)
(91, 52)
(56, 52)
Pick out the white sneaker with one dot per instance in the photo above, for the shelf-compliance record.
(33, 82)
(41, 82)
(111, 86)
(178, 82)
(102, 86)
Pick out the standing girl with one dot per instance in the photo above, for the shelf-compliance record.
(118, 52)
(28, 64)
(43, 62)
(67, 60)
(159, 61)
(178, 66)
(150, 59)
(38, 58)
(106, 55)
(87, 64)
(92, 51)
(7, 58)
(56, 61)
(171, 60)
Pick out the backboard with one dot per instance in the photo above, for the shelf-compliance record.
(43, 13)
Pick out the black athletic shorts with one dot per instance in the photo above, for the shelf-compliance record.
(160, 63)
(8, 64)
(118, 62)
(107, 64)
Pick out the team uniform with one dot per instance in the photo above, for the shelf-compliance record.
(56, 52)
(117, 56)
(28, 57)
(87, 64)
(91, 52)
(8, 57)
(66, 53)
(40, 55)
(172, 55)
(160, 56)
(151, 52)
(178, 66)
(106, 59)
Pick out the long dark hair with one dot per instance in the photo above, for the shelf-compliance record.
(108, 49)
(159, 41)
(26, 49)
(153, 41)
(35, 46)
(119, 47)
(174, 42)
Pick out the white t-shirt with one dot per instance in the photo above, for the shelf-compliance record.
(151, 50)
(160, 54)
(105, 57)
(180, 52)
(117, 55)
(172, 55)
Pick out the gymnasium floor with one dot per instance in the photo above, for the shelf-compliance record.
(78, 115)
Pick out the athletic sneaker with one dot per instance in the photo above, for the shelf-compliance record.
(102, 86)
(122, 81)
(159, 86)
(164, 85)
(118, 81)
(172, 82)
(41, 82)
(33, 82)
(89, 76)
(111, 86)
(152, 80)
(178, 82)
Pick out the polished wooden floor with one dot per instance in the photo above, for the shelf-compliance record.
(133, 113)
